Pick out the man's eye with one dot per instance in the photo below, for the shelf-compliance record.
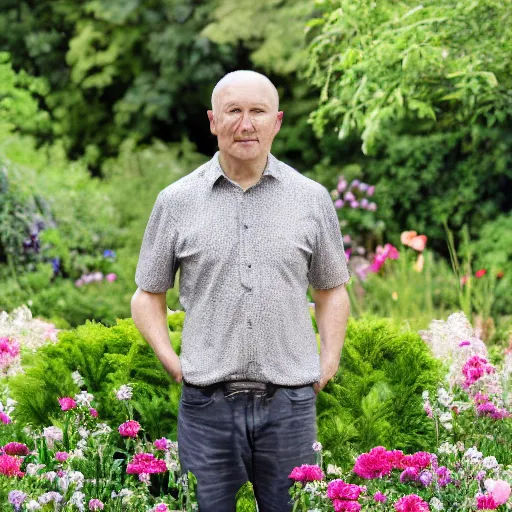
(235, 110)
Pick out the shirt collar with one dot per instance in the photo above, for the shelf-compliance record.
(215, 171)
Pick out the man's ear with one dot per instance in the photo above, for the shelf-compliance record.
(212, 122)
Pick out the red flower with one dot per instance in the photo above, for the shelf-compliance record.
(10, 466)
(480, 273)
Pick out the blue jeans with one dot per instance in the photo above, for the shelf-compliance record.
(225, 439)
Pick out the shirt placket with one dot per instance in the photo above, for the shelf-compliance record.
(247, 276)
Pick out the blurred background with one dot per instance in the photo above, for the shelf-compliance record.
(402, 110)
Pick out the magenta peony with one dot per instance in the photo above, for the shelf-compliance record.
(474, 369)
(162, 444)
(16, 449)
(145, 463)
(341, 490)
(411, 503)
(10, 466)
(95, 504)
(93, 412)
(129, 428)
(4, 418)
(67, 403)
(374, 464)
(486, 502)
(9, 351)
(346, 506)
(418, 460)
(306, 473)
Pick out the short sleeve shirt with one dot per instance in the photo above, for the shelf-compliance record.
(246, 259)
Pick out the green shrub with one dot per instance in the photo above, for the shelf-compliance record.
(375, 398)
(106, 357)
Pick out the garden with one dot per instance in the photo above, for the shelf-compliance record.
(402, 111)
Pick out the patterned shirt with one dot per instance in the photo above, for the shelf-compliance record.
(246, 259)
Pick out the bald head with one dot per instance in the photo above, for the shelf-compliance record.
(245, 78)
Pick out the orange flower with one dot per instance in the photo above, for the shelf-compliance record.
(418, 266)
(407, 236)
(480, 273)
(412, 239)
(500, 274)
(419, 242)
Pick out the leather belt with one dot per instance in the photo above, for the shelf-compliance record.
(232, 386)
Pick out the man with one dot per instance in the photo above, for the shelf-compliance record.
(249, 234)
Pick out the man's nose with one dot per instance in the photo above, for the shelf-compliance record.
(246, 122)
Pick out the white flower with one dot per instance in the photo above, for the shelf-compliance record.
(473, 454)
(447, 448)
(82, 445)
(50, 475)
(83, 398)
(445, 417)
(436, 504)
(33, 505)
(317, 447)
(102, 429)
(77, 379)
(52, 434)
(125, 392)
(332, 469)
(425, 395)
(447, 426)
(83, 432)
(77, 499)
(444, 397)
(490, 462)
(32, 469)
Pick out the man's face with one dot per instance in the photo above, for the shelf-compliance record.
(246, 120)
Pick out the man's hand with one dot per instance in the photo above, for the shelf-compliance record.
(172, 366)
(328, 370)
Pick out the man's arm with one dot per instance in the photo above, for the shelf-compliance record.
(149, 313)
(332, 309)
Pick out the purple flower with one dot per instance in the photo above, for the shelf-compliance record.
(338, 204)
(370, 191)
(364, 203)
(409, 475)
(378, 496)
(16, 498)
(372, 207)
(363, 187)
(342, 185)
(349, 197)
(443, 476)
(425, 478)
(464, 343)
(354, 204)
(95, 504)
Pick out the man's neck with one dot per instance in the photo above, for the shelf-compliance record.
(243, 172)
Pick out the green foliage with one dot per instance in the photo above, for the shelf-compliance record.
(106, 357)
(400, 292)
(383, 66)
(375, 398)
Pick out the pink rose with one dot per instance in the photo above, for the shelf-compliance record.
(499, 490)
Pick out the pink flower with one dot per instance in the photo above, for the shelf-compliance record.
(374, 464)
(411, 503)
(161, 507)
(111, 277)
(338, 204)
(129, 428)
(378, 496)
(95, 504)
(306, 473)
(346, 506)
(16, 449)
(9, 351)
(486, 502)
(145, 463)
(499, 490)
(409, 475)
(396, 458)
(4, 418)
(370, 191)
(338, 489)
(480, 273)
(10, 466)
(419, 460)
(464, 343)
(61, 456)
(94, 412)
(475, 368)
(162, 444)
(67, 403)
(443, 476)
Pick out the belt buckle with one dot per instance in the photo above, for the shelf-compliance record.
(233, 387)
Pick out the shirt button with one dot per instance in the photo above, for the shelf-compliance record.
(249, 265)
(246, 226)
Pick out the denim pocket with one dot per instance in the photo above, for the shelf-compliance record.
(195, 397)
(303, 394)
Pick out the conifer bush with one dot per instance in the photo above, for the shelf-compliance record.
(106, 358)
(376, 396)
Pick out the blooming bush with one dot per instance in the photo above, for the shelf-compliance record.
(83, 464)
